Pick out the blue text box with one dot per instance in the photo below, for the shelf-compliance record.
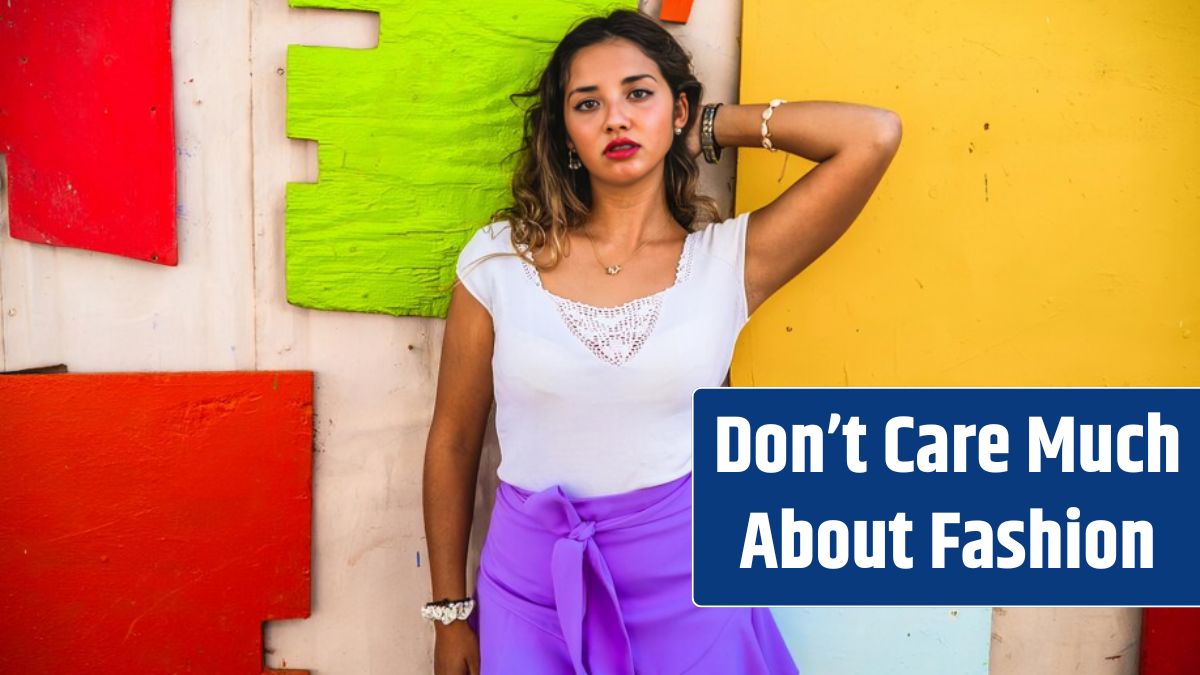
(1125, 515)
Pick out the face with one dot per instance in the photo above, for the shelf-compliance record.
(614, 91)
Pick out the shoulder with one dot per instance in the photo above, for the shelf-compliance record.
(725, 240)
(477, 266)
(490, 238)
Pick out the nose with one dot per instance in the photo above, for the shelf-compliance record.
(617, 118)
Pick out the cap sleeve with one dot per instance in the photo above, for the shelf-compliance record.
(473, 269)
(727, 240)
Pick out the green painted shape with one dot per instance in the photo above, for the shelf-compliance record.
(411, 137)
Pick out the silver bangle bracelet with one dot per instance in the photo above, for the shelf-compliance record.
(708, 140)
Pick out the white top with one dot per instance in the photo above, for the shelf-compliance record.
(599, 400)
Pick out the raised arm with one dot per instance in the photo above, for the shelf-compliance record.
(853, 145)
(452, 451)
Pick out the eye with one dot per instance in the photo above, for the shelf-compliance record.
(579, 106)
(647, 93)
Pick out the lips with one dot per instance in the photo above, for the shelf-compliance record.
(621, 148)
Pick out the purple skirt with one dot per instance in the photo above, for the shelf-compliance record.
(602, 586)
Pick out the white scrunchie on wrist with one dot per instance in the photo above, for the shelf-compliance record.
(448, 612)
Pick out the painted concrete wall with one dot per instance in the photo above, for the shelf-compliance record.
(1036, 228)
(224, 308)
(887, 641)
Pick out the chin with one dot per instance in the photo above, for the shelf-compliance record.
(628, 173)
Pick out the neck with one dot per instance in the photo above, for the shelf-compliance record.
(626, 215)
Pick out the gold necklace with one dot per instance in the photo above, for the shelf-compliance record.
(612, 270)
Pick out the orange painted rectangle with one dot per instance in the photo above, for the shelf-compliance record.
(149, 523)
(676, 11)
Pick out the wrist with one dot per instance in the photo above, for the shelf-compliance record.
(738, 126)
(447, 581)
(440, 628)
(448, 592)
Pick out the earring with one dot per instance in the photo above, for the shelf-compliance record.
(678, 130)
(573, 162)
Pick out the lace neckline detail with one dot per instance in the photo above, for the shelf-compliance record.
(615, 334)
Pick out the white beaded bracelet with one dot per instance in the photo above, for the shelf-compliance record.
(448, 612)
(766, 135)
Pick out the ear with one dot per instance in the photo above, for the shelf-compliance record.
(681, 110)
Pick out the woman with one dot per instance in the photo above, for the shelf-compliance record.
(593, 359)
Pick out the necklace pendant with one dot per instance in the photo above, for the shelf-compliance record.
(612, 269)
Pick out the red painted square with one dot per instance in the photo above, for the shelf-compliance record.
(87, 125)
(1170, 641)
(149, 523)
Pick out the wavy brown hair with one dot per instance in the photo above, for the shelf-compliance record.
(550, 199)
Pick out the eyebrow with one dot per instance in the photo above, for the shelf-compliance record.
(592, 87)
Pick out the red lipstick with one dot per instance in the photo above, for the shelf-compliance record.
(621, 148)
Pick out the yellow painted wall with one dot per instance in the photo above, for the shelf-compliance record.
(1040, 225)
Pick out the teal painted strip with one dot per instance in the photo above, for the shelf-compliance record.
(887, 641)
(411, 136)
